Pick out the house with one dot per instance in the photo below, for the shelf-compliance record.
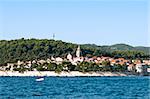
(147, 62)
(48, 60)
(41, 61)
(139, 68)
(113, 62)
(59, 60)
(34, 62)
(131, 68)
(69, 57)
(19, 63)
(10, 66)
(78, 59)
(148, 69)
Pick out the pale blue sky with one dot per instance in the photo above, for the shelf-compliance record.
(101, 22)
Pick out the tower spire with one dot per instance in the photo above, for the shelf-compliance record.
(78, 51)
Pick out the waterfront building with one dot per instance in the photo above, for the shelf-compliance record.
(131, 67)
(41, 61)
(34, 61)
(74, 63)
(148, 69)
(48, 60)
(52, 58)
(78, 59)
(147, 62)
(19, 63)
(2, 68)
(9, 66)
(59, 60)
(29, 64)
(113, 62)
(139, 68)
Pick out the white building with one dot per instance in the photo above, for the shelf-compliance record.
(52, 58)
(58, 59)
(41, 61)
(19, 63)
(139, 68)
(48, 60)
(131, 67)
(11, 66)
(148, 69)
(69, 57)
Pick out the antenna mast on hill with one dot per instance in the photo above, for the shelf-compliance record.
(53, 36)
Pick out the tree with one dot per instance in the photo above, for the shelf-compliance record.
(32, 49)
(51, 66)
(68, 65)
(106, 63)
(59, 68)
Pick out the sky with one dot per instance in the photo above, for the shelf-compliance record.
(101, 22)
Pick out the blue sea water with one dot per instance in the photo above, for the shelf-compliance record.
(75, 88)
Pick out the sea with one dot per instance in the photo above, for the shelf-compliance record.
(134, 87)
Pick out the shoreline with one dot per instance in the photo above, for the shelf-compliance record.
(61, 74)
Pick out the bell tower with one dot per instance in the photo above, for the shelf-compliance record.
(78, 51)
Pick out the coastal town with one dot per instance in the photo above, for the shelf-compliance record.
(74, 49)
(136, 66)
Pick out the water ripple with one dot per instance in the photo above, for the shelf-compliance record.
(75, 87)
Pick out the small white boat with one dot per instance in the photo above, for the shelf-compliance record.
(40, 79)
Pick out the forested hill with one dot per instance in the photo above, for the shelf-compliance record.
(121, 47)
(30, 49)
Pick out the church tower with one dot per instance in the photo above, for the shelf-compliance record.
(78, 51)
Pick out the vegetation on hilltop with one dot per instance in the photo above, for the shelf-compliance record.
(30, 49)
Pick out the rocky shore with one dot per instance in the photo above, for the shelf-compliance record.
(61, 74)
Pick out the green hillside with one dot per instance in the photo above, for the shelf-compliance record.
(30, 49)
(121, 47)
